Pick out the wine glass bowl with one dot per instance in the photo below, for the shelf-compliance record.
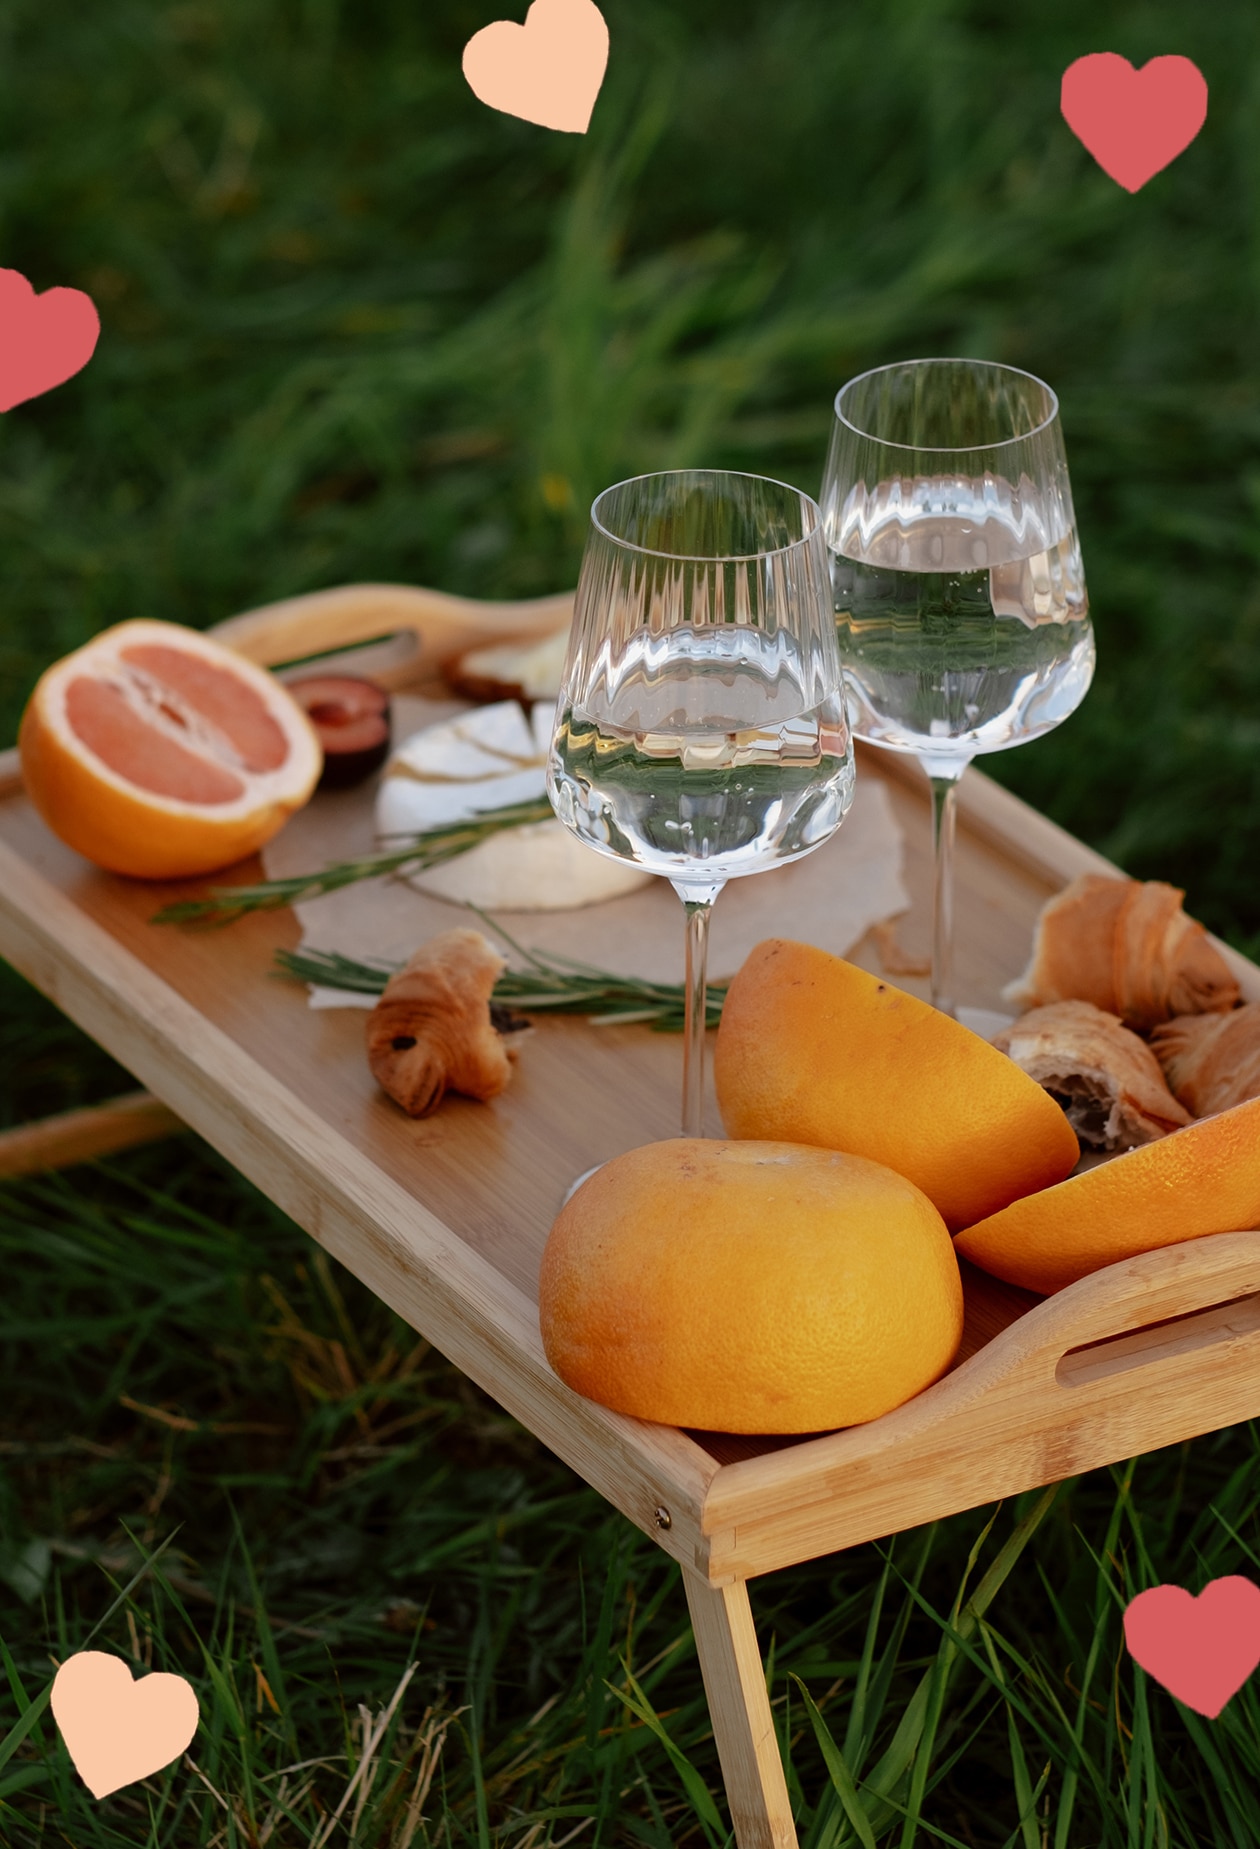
(961, 609)
(701, 729)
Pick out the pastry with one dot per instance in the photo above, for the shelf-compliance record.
(1127, 947)
(432, 1030)
(1106, 1079)
(1211, 1061)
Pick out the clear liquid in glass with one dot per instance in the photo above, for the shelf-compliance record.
(706, 776)
(960, 636)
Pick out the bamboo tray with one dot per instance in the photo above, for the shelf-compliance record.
(445, 1219)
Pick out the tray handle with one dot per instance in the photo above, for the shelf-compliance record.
(1148, 1352)
(1152, 1310)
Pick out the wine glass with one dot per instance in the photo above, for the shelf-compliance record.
(700, 727)
(960, 597)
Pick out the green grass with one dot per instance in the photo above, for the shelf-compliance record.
(356, 326)
(337, 1508)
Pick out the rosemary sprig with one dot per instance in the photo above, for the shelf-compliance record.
(423, 851)
(554, 985)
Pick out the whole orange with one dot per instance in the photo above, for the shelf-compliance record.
(1201, 1180)
(157, 752)
(812, 1049)
(749, 1287)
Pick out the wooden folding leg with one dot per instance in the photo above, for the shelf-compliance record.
(735, 1683)
(81, 1136)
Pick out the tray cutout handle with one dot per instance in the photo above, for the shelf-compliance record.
(1229, 1321)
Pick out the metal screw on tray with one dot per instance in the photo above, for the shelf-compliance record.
(960, 597)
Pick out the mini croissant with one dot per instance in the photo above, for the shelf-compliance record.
(431, 1031)
(1107, 1080)
(1211, 1061)
(1126, 946)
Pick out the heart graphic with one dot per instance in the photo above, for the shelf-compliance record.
(1134, 122)
(44, 339)
(1201, 1650)
(118, 1731)
(547, 71)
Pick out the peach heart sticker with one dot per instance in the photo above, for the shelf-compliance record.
(117, 1730)
(1134, 122)
(547, 71)
(1201, 1650)
(44, 339)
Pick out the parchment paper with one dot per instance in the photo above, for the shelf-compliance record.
(830, 898)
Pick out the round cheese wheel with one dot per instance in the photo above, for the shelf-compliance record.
(486, 759)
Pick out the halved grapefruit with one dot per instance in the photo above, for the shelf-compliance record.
(812, 1049)
(156, 752)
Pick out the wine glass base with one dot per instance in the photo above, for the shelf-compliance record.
(983, 1021)
(573, 1186)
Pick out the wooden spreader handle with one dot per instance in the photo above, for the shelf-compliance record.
(351, 614)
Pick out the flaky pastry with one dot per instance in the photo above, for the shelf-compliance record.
(1107, 1080)
(1127, 947)
(431, 1031)
(1211, 1061)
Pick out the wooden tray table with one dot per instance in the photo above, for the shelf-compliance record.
(445, 1219)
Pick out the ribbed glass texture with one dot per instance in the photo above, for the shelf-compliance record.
(959, 593)
(678, 569)
(701, 727)
(947, 440)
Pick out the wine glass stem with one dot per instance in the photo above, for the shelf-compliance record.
(698, 907)
(944, 815)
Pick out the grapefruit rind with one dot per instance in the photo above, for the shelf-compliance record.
(814, 1049)
(126, 828)
(749, 1287)
(1195, 1182)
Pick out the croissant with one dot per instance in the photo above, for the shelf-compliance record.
(1107, 1080)
(1126, 946)
(1211, 1061)
(432, 1031)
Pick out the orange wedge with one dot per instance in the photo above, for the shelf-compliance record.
(1201, 1180)
(156, 752)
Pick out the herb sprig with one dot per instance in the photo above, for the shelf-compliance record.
(423, 851)
(547, 984)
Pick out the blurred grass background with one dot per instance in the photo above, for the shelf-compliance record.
(354, 325)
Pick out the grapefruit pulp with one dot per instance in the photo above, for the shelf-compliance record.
(156, 752)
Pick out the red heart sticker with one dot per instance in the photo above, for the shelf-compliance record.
(1201, 1650)
(44, 339)
(1133, 122)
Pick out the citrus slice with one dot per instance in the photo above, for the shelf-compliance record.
(1201, 1180)
(156, 752)
(812, 1049)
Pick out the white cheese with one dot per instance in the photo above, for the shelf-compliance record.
(485, 759)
